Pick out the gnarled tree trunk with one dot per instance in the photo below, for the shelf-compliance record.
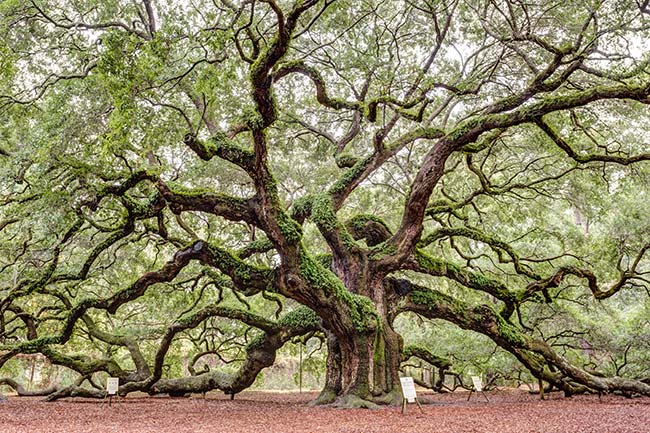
(363, 365)
(363, 369)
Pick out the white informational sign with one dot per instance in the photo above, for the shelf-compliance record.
(408, 389)
(478, 385)
(112, 383)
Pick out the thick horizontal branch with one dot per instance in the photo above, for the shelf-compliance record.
(260, 353)
(222, 146)
(426, 264)
(231, 208)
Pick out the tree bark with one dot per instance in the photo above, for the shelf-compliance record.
(363, 369)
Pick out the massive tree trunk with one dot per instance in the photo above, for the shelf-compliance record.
(363, 369)
(363, 364)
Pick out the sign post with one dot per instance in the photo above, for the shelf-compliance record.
(112, 384)
(478, 387)
(408, 393)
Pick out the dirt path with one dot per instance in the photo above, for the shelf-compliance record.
(288, 412)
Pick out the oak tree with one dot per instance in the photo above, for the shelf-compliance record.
(177, 174)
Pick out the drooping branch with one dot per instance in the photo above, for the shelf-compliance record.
(598, 292)
(442, 364)
(167, 273)
(260, 353)
(533, 353)
(426, 355)
(586, 158)
(497, 245)
(22, 391)
(427, 264)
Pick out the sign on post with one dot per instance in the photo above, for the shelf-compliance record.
(478, 387)
(408, 389)
(112, 384)
(408, 392)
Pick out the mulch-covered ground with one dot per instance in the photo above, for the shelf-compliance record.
(507, 411)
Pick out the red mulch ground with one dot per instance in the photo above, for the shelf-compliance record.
(507, 411)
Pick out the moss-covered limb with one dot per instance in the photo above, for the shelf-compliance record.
(597, 383)
(6, 354)
(322, 96)
(119, 189)
(283, 231)
(259, 73)
(410, 229)
(26, 286)
(427, 264)
(586, 158)
(24, 392)
(368, 227)
(484, 141)
(183, 200)
(366, 108)
(86, 365)
(533, 353)
(468, 131)
(360, 171)
(260, 353)
(496, 244)
(560, 274)
(334, 232)
(135, 212)
(7, 222)
(343, 312)
(76, 390)
(541, 83)
(97, 250)
(248, 279)
(442, 364)
(190, 322)
(302, 207)
(55, 392)
(426, 355)
(25, 317)
(259, 246)
(168, 272)
(221, 146)
(131, 344)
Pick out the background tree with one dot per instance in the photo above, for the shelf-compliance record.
(171, 168)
